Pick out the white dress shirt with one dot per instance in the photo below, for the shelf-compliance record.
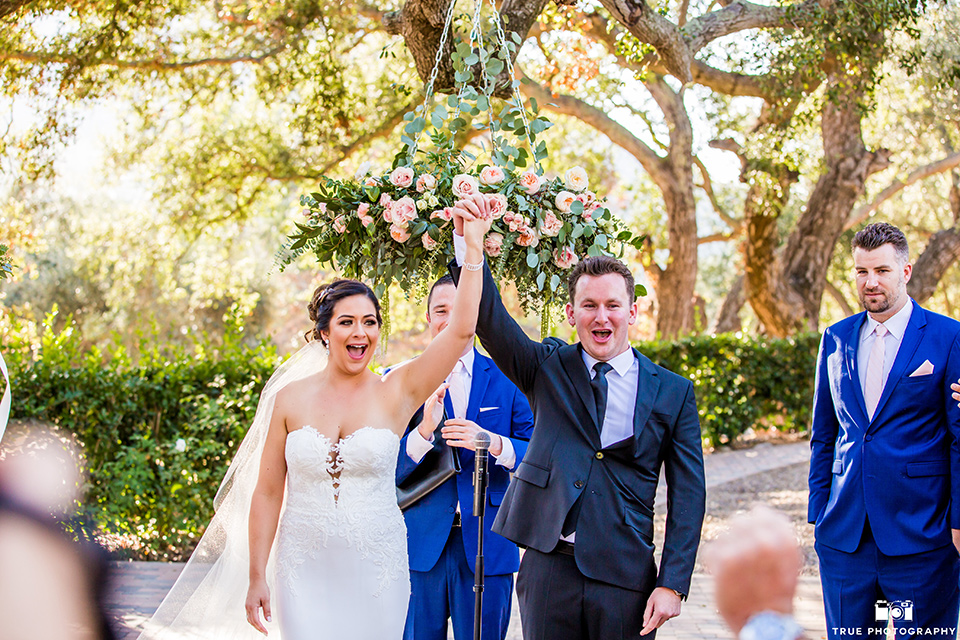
(896, 326)
(617, 420)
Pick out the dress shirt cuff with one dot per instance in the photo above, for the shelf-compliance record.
(508, 455)
(459, 248)
(417, 446)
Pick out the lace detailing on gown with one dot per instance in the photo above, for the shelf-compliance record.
(344, 491)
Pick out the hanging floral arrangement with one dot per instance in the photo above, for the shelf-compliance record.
(394, 225)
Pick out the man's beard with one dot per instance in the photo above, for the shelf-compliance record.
(879, 305)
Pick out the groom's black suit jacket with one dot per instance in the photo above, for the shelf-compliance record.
(618, 484)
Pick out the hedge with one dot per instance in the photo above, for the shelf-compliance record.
(158, 434)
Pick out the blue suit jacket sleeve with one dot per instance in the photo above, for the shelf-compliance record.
(405, 465)
(823, 434)
(953, 424)
(521, 426)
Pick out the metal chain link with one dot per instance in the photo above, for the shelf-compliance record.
(428, 90)
(476, 35)
(516, 92)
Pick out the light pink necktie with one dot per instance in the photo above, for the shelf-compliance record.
(457, 391)
(873, 386)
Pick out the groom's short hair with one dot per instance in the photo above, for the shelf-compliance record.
(600, 266)
(876, 235)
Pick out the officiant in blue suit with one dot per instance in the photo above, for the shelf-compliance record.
(885, 462)
(441, 528)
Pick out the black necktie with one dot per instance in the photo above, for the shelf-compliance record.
(599, 385)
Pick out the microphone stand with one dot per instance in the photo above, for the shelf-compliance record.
(482, 444)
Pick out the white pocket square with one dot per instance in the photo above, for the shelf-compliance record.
(923, 370)
(482, 409)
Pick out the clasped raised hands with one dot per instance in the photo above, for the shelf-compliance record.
(472, 218)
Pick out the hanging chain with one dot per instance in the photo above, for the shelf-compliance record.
(428, 91)
(476, 35)
(516, 89)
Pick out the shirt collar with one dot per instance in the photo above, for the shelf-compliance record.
(467, 360)
(895, 324)
(621, 363)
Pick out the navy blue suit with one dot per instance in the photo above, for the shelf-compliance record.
(443, 558)
(885, 493)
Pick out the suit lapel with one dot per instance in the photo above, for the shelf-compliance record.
(576, 370)
(851, 349)
(480, 377)
(648, 383)
(908, 346)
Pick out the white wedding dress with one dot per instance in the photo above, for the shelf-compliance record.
(341, 546)
(338, 567)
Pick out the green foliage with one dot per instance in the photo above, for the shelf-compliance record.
(744, 383)
(6, 267)
(156, 436)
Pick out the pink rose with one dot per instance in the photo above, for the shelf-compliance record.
(428, 242)
(493, 244)
(514, 221)
(565, 257)
(401, 177)
(339, 225)
(564, 200)
(426, 182)
(464, 185)
(385, 199)
(491, 175)
(399, 233)
(363, 212)
(404, 210)
(497, 204)
(527, 238)
(370, 181)
(551, 225)
(445, 214)
(575, 179)
(531, 182)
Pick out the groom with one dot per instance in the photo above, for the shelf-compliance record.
(581, 501)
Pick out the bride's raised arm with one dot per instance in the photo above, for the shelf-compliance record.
(421, 376)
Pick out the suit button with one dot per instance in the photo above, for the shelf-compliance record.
(599, 455)
(868, 438)
(578, 484)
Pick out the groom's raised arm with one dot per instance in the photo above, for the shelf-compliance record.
(512, 350)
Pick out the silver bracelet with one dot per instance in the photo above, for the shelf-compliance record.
(473, 267)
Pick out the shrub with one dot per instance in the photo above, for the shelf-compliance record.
(743, 383)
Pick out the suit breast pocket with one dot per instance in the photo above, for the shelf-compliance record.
(927, 468)
(489, 418)
(532, 473)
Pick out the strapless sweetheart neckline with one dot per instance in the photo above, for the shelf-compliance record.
(339, 442)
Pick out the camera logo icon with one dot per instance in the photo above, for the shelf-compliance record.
(893, 610)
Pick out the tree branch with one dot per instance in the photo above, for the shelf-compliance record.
(837, 295)
(650, 27)
(149, 64)
(735, 225)
(590, 115)
(862, 212)
(743, 15)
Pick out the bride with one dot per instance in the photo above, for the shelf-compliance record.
(324, 546)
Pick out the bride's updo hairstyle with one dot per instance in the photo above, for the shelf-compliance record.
(325, 298)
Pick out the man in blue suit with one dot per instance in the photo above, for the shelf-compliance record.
(441, 528)
(885, 463)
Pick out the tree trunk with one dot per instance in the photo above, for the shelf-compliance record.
(786, 294)
(678, 281)
(728, 318)
(940, 254)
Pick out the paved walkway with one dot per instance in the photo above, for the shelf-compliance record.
(140, 586)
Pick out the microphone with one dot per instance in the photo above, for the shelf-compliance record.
(482, 444)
